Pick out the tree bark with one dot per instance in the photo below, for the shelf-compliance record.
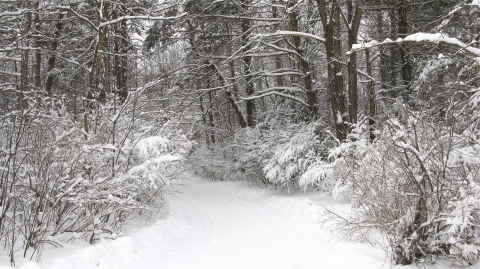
(24, 79)
(52, 59)
(247, 62)
(102, 7)
(354, 18)
(38, 55)
(371, 97)
(393, 52)
(330, 24)
(339, 82)
(384, 63)
(404, 53)
(210, 118)
(303, 65)
(278, 62)
(204, 119)
(121, 47)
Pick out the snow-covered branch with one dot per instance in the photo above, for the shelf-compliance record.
(277, 73)
(475, 3)
(420, 38)
(284, 50)
(287, 89)
(294, 98)
(242, 18)
(292, 33)
(141, 17)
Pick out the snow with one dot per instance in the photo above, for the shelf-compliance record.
(152, 146)
(226, 225)
(475, 3)
(422, 37)
(292, 33)
(339, 118)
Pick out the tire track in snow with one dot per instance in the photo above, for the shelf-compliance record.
(245, 207)
(203, 229)
(254, 234)
(273, 222)
(277, 233)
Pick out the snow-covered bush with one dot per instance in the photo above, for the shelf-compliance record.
(209, 163)
(418, 184)
(57, 178)
(155, 167)
(284, 155)
(300, 151)
(242, 159)
(252, 149)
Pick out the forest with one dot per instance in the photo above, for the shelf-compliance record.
(104, 102)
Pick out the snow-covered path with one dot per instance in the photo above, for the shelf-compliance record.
(229, 231)
(226, 225)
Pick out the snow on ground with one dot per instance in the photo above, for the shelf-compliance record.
(227, 225)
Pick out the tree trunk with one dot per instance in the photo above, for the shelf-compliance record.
(354, 18)
(384, 63)
(303, 65)
(101, 66)
(52, 59)
(331, 25)
(404, 53)
(371, 97)
(210, 118)
(247, 61)
(393, 53)
(102, 7)
(121, 46)
(24, 79)
(338, 75)
(278, 62)
(339, 82)
(38, 55)
(204, 119)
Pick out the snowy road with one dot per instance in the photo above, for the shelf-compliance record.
(228, 231)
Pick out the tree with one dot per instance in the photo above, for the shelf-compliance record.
(331, 27)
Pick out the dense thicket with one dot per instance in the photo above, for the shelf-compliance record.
(373, 101)
(80, 151)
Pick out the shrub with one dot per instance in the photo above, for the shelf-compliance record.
(58, 179)
(419, 185)
(302, 148)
